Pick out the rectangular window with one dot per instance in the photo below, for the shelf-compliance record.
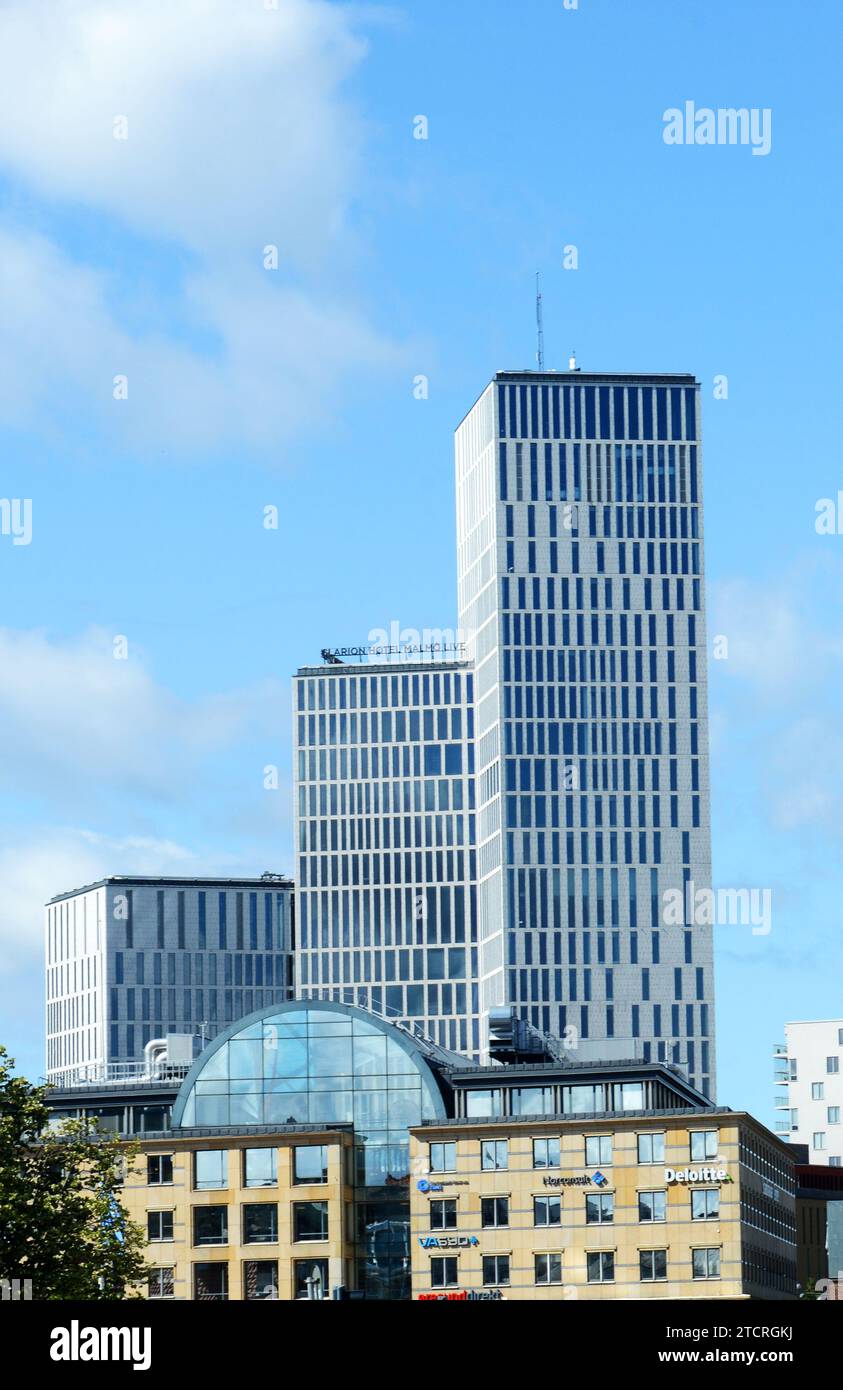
(652, 1206)
(651, 1148)
(652, 1264)
(494, 1211)
(210, 1281)
(260, 1279)
(599, 1208)
(704, 1144)
(834, 1114)
(598, 1150)
(260, 1167)
(159, 1225)
(310, 1221)
(210, 1225)
(546, 1153)
(161, 1282)
(495, 1270)
(547, 1211)
(494, 1153)
(210, 1169)
(310, 1279)
(705, 1204)
(600, 1266)
(159, 1169)
(310, 1163)
(443, 1214)
(817, 1090)
(818, 1140)
(548, 1269)
(832, 1065)
(260, 1223)
(443, 1158)
(443, 1272)
(705, 1264)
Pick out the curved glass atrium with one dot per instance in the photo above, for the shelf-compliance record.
(315, 1062)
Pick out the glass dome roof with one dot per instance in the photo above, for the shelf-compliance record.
(311, 1062)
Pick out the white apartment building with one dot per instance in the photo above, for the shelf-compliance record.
(809, 1073)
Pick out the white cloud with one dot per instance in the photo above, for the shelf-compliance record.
(32, 871)
(237, 122)
(240, 136)
(774, 698)
(74, 717)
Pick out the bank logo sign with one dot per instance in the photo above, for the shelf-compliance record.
(596, 1179)
(447, 1242)
(697, 1175)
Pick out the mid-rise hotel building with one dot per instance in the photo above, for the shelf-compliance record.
(384, 787)
(580, 568)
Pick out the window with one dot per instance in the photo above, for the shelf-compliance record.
(159, 1225)
(547, 1211)
(260, 1223)
(210, 1169)
(705, 1264)
(482, 1104)
(210, 1225)
(705, 1204)
(582, 1100)
(260, 1279)
(443, 1158)
(835, 1161)
(548, 1269)
(652, 1206)
(310, 1163)
(704, 1144)
(531, 1100)
(443, 1272)
(840, 1037)
(260, 1167)
(494, 1211)
(443, 1214)
(832, 1065)
(494, 1153)
(210, 1281)
(652, 1264)
(546, 1153)
(159, 1169)
(817, 1090)
(651, 1148)
(495, 1269)
(599, 1208)
(598, 1150)
(834, 1114)
(161, 1282)
(600, 1267)
(310, 1221)
(310, 1279)
(818, 1140)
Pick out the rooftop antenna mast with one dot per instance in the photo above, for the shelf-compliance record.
(539, 327)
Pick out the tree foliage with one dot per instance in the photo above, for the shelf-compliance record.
(62, 1224)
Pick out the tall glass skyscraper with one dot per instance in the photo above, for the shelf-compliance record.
(384, 787)
(580, 565)
(579, 731)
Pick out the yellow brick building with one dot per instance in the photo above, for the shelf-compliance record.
(244, 1216)
(671, 1206)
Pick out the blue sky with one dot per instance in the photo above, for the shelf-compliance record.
(292, 388)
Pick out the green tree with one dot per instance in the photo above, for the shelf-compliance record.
(62, 1223)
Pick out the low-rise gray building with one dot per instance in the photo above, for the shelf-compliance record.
(130, 959)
